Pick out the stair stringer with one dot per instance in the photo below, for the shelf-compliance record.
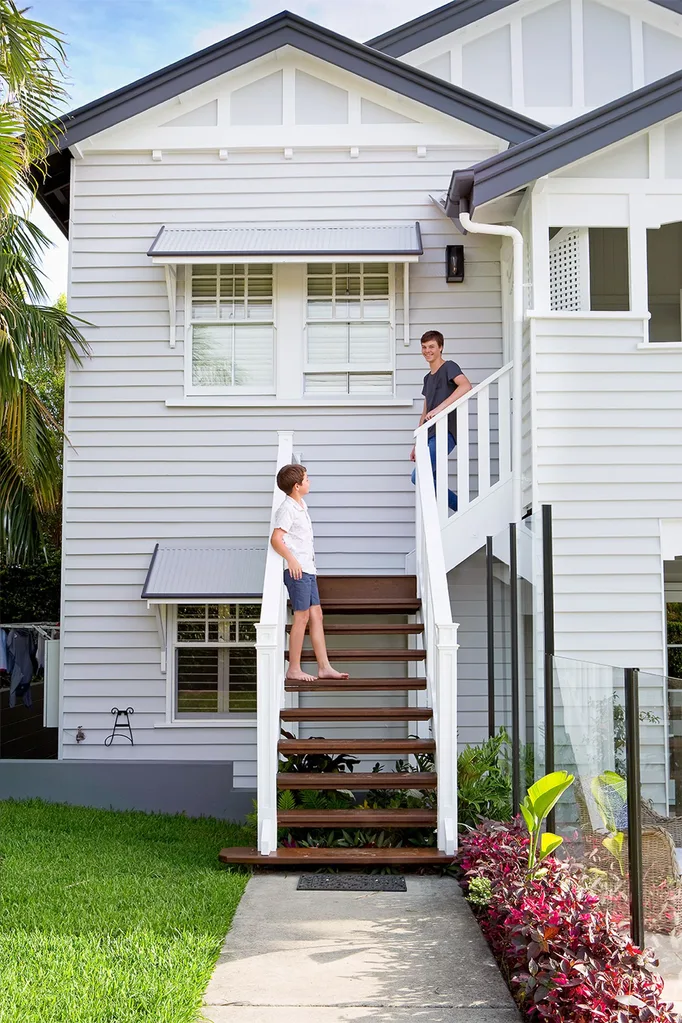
(465, 532)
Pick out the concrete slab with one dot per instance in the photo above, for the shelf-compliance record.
(341, 957)
(357, 1014)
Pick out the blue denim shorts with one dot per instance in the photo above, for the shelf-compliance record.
(303, 592)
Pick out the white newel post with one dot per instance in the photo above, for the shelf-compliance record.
(270, 641)
(267, 734)
(446, 737)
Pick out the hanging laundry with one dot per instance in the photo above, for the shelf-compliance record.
(3, 651)
(22, 667)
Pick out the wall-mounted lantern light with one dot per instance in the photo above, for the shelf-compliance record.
(454, 264)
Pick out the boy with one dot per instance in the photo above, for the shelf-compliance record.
(292, 538)
(443, 385)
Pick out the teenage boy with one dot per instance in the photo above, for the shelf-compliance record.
(443, 385)
(292, 538)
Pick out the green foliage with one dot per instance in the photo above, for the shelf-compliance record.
(674, 614)
(614, 845)
(480, 891)
(112, 917)
(309, 763)
(610, 793)
(540, 800)
(35, 340)
(484, 786)
(31, 592)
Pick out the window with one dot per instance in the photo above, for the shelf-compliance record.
(215, 659)
(349, 330)
(232, 328)
(664, 264)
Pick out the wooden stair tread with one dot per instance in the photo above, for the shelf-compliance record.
(388, 629)
(357, 714)
(357, 781)
(412, 856)
(365, 654)
(354, 684)
(356, 746)
(356, 818)
(369, 605)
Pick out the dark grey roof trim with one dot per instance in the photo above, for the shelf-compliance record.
(282, 30)
(435, 24)
(420, 31)
(517, 167)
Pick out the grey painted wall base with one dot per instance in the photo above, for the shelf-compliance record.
(198, 789)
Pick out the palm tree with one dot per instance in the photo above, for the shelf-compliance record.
(32, 60)
(35, 338)
(33, 334)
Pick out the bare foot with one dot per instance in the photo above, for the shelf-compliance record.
(299, 676)
(332, 673)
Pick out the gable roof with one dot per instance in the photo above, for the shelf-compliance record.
(449, 18)
(283, 29)
(561, 146)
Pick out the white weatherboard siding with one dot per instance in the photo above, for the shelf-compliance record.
(139, 471)
(467, 588)
(609, 461)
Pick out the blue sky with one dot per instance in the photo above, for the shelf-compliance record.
(111, 43)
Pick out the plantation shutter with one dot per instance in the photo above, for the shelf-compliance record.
(569, 270)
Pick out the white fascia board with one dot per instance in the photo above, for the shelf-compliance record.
(269, 257)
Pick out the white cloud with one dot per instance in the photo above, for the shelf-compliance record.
(358, 19)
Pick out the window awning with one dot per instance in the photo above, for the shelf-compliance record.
(204, 573)
(289, 243)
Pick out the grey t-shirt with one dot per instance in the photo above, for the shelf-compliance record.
(437, 387)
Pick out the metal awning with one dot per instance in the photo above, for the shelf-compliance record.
(204, 573)
(289, 243)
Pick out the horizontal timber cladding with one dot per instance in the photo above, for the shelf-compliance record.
(140, 471)
(467, 587)
(608, 455)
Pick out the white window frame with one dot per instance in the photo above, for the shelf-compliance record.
(219, 717)
(195, 390)
(349, 368)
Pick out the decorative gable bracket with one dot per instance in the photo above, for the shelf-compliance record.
(171, 272)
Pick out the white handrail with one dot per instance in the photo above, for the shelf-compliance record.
(484, 384)
(440, 638)
(489, 435)
(270, 639)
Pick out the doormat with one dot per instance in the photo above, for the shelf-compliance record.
(350, 883)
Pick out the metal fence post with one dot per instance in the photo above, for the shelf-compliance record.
(548, 625)
(634, 805)
(490, 608)
(515, 709)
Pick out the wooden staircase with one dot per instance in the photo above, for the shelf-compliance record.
(373, 610)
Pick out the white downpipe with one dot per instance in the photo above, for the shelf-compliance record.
(517, 344)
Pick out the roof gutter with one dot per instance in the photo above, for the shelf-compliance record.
(517, 339)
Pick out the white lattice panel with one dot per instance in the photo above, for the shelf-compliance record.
(569, 270)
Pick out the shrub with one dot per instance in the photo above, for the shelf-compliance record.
(564, 958)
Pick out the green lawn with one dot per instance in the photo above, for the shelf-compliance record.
(110, 917)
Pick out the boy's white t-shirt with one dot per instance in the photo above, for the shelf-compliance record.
(294, 519)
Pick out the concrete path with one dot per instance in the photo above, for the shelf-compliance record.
(351, 957)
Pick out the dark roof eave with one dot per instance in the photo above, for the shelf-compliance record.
(288, 29)
(517, 167)
(281, 30)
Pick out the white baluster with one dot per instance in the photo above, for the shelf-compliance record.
(483, 421)
(462, 456)
(442, 469)
(504, 424)
(446, 738)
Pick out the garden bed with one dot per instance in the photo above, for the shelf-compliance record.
(565, 959)
(110, 917)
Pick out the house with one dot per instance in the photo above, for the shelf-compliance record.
(257, 236)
